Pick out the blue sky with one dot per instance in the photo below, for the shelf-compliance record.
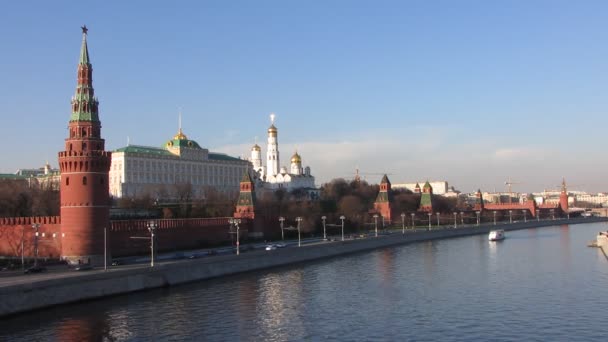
(472, 92)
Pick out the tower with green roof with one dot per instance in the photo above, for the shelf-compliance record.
(245, 205)
(383, 200)
(84, 165)
(426, 198)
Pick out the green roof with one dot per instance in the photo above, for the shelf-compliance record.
(11, 176)
(426, 200)
(145, 150)
(183, 143)
(222, 156)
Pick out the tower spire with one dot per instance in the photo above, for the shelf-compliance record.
(84, 102)
(84, 51)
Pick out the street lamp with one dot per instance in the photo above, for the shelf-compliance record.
(494, 217)
(553, 214)
(403, 222)
(36, 226)
(236, 222)
(324, 235)
(462, 218)
(478, 218)
(282, 219)
(152, 227)
(376, 224)
(538, 215)
(105, 249)
(455, 220)
(430, 220)
(510, 216)
(437, 219)
(299, 219)
(413, 220)
(342, 218)
(525, 219)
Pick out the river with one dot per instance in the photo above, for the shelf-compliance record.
(537, 285)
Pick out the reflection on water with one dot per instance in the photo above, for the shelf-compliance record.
(543, 285)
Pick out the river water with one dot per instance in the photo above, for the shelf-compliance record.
(537, 285)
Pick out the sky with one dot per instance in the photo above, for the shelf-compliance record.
(470, 92)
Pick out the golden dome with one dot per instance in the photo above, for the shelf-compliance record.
(296, 158)
(272, 129)
(180, 135)
(256, 147)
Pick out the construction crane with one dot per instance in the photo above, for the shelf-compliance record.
(509, 183)
(359, 174)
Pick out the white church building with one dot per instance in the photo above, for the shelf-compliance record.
(272, 176)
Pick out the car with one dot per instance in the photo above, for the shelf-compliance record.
(83, 267)
(35, 269)
(117, 263)
(281, 245)
(271, 247)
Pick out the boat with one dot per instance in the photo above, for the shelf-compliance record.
(496, 235)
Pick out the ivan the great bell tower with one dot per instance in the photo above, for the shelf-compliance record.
(85, 166)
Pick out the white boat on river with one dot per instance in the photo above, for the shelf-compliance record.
(496, 235)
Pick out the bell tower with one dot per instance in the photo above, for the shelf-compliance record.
(85, 166)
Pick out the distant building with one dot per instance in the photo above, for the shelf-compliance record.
(45, 177)
(161, 171)
(272, 176)
(439, 187)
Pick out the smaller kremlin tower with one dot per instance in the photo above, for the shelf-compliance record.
(383, 200)
(245, 205)
(85, 166)
(563, 197)
(426, 198)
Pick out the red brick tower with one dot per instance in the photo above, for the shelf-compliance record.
(245, 205)
(563, 197)
(478, 200)
(383, 200)
(84, 165)
(426, 198)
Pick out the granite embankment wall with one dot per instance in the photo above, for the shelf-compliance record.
(126, 279)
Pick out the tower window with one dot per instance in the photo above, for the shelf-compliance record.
(67, 180)
(84, 180)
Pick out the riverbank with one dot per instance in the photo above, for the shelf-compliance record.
(31, 294)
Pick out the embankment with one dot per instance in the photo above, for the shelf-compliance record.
(72, 287)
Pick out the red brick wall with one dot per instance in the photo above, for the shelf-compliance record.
(171, 234)
(15, 229)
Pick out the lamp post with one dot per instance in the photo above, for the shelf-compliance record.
(236, 222)
(324, 234)
(538, 215)
(494, 217)
(478, 217)
(455, 220)
(525, 218)
(510, 216)
(105, 249)
(430, 220)
(36, 226)
(553, 214)
(403, 222)
(342, 218)
(376, 224)
(462, 218)
(299, 219)
(413, 220)
(281, 220)
(382, 221)
(437, 219)
(152, 228)
(22, 250)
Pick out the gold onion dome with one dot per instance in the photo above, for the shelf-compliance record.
(180, 135)
(256, 147)
(296, 158)
(272, 129)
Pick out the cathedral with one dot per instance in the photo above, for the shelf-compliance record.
(272, 176)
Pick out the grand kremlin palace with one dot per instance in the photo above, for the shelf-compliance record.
(161, 172)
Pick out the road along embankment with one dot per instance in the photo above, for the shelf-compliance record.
(29, 294)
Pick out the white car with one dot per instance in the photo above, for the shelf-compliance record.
(271, 247)
(281, 245)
